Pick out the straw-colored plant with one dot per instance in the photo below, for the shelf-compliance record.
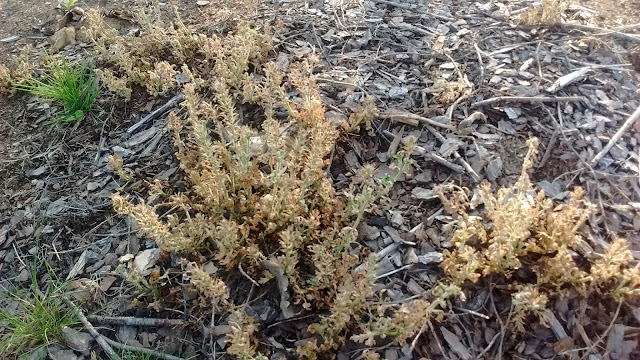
(550, 12)
(517, 223)
(517, 228)
(259, 198)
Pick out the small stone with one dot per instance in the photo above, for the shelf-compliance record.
(24, 275)
(111, 259)
(394, 234)
(398, 93)
(378, 221)
(127, 334)
(55, 353)
(430, 258)
(410, 256)
(78, 341)
(37, 172)
(63, 37)
(202, 2)
(494, 168)
(210, 268)
(93, 186)
(368, 232)
(38, 354)
(423, 194)
(76, 10)
(396, 218)
(145, 260)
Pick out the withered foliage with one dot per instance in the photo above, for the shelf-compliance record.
(550, 12)
(520, 228)
(259, 202)
(258, 193)
(17, 72)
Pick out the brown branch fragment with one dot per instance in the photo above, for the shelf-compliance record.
(627, 124)
(511, 99)
(444, 162)
(134, 321)
(394, 115)
(138, 349)
(96, 335)
(156, 113)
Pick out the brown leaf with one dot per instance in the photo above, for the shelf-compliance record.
(562, 345)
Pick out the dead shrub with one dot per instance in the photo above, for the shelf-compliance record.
(259, 198)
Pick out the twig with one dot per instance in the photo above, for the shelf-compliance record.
(627, 27)
(604, 334)
(627, 124)
(614, 33)
(419, 150)
(453, 106)
(105, 346)
(379, 255)
(611, 32)
(550, 147)
(435, 336)
(394, 271)
(247, 276)
(509, 99)
(484, 351)
(406, 115)
(134, 321)
(486, 317)
(456, 155)
(444, 162)
(408, 121)
(151, 352)
(156, 113)
(415, 339)
(479, 53)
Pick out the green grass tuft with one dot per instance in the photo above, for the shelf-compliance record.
(38, 318)
(67, 4)
(74, 87)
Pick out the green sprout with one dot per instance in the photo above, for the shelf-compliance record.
(74, 87)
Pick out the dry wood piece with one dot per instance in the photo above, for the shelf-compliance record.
(444, 162)
(96, 335)
(395, 115)
(510, 99)
(612, 32)
(604, 31)
(151, 352)
(456, 155)
(433, 157)
(627, 124)
(568, 79)
(156, 113)
(134, 321)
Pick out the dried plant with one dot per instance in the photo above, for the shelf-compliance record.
(517, 229)
(519, 224)
(117, 165)
(257, 194)
(159, 80)
(550, 12)
(17, 73)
